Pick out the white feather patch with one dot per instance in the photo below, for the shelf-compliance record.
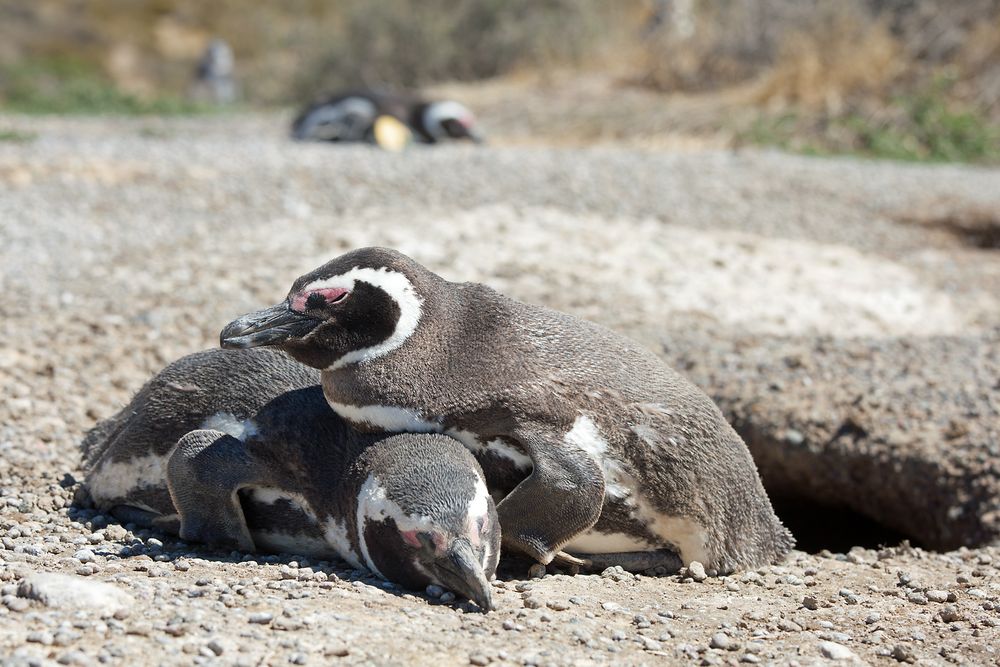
(116, 480)
(587, 437)
(230, 424)
(596, 542)
(397, 286)
(374, 504)
(335, 533)
(266, 495)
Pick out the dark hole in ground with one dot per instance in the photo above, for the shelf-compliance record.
(817, 527)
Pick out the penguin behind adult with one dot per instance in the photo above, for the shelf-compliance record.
(355, 116)
(240, 449)
(621, 454)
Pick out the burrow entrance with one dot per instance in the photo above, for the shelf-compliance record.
(817, 526)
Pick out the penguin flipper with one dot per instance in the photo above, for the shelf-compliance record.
(204, 475)
(561, 498)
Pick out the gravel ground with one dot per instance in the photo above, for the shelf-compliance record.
(127, 243)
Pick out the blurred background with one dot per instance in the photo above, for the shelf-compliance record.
(904, 79)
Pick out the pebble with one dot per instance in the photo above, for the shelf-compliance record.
(937, 596)
(63, 591)
(536, 571)
(697, 571)
(835, 651)
(721, 640)
(810, 602)
(903, 653)
(261, 617)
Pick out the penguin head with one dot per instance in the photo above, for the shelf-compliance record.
(449, 120)
(425, 516)
(359, 306)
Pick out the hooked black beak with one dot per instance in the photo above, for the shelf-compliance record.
(461, 572)
(271, 326)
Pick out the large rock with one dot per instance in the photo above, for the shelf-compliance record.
(63, 591)
(905, 431)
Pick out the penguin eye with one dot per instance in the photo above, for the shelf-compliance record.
(318, 298)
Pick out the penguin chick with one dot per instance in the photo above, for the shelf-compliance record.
(618, 454)
(240, 449)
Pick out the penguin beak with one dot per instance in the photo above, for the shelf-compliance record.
(461, 572)
(271, 326)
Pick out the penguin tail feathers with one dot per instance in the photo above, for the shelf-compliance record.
(97, 440)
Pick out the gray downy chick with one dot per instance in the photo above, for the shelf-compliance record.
(240, 449)
(606, 449)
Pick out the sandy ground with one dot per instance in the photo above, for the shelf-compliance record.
(127, 243)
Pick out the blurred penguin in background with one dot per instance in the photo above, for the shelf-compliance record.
(214, 80)
(391, 121)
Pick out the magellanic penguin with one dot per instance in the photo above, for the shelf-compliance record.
(625, 456)
(354, 116)
(241, 449)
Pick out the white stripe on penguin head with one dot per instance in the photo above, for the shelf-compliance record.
(398, 287)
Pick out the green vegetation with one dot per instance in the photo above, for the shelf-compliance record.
(17, 136)
(926, 126)
(62, 86)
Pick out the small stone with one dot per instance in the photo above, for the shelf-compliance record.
(917, 597)
(951, 614)
(536, 571)
(835, 651)
(618, 635)
(434, 591)
(479, 660)
(750, 658)
(84, 556)
(810, 602)
(789, 626)
(902, 653)
(649, 644)
(938, 596)
(557, 605)
(261, 617)
(45, 638)
(73, 658)
(216, 647)
(721, 640)
(872, 618)
(697, 571)
(63, 591)
(732, 586)
(447, 597)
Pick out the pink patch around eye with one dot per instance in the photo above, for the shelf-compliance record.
(312, 298)
(410, 537)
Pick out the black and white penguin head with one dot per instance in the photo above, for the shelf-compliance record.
(425, 516)
(449, 120)
(358, 307)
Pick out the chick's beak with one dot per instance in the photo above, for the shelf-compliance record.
(460, 571)
(271, 326)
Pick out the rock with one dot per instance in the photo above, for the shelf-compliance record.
(937, 596)
(536, 571)
(260, 617)
(835, 651)
(697, 571)
(63, 591)
(722, 641)
(903, 653)
(810, 602)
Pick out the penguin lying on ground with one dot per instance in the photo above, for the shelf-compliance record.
(621, 454)
(239, 448)
(355, 116)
